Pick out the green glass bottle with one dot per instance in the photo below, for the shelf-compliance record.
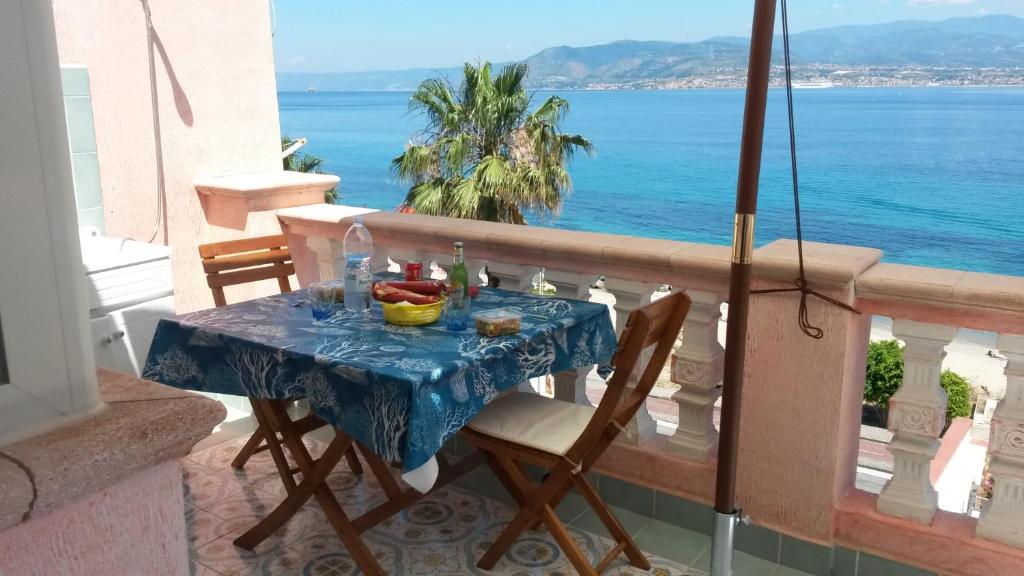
(457, 307)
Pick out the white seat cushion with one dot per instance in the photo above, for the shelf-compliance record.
(535, 421)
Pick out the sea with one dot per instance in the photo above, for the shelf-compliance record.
(931, 176)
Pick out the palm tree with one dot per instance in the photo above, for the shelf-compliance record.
(484, 155)
(302, 162)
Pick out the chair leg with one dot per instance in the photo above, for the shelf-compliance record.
(517, 494)
(506, 481)
(251, 446)
(537, 504)
(554, 504)
(622, 538)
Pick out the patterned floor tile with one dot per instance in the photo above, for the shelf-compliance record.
(220, 456)
(244, 511)
(324, 551)
(224, 557)
(210, 489)
(197, 569)
(190, 470)
(443, 534)
(202, 527)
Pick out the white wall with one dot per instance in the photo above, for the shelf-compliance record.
(42, 288)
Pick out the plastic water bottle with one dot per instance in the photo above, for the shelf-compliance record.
(358, 277)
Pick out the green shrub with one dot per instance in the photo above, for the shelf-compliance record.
(958, 392)
(885, 372)
(885, 375)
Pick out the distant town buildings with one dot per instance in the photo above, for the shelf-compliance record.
(823, 75)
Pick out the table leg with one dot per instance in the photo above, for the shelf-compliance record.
(273, 417)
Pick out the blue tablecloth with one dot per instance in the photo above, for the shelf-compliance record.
(401, 391)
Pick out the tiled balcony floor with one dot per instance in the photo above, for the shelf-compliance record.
(443, 534)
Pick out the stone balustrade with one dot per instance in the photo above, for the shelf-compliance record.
(917, 415)
(1003, 519)
(802, 400)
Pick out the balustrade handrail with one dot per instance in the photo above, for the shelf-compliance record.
(974, 300)
(703, 266)
(943, 296)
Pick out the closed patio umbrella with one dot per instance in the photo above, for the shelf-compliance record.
(727, 515)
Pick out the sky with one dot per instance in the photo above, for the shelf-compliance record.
(357, 35)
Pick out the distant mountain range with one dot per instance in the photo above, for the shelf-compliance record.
(981, 50)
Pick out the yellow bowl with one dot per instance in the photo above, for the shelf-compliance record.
(411, 315)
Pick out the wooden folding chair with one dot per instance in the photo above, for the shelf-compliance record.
(566, 439)
(251, 260)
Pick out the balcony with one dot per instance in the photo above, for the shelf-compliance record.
(801, 412)
(179, 118)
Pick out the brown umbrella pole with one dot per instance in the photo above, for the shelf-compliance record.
(758, 71)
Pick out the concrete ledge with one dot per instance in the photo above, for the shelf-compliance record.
(227, 200)
(697, 266)
(141, 425)
(947, 546)
(136, 526)
(953, 297)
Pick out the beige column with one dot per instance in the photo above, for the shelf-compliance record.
(516, 278)
(697, 368)
(630, 295)
(1003, 519)
(330, 257)
(917, 415)
(571, 385)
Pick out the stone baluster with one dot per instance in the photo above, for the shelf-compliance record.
(917, 415)
(517, 278)
(513, 277)
(379, 261)
(1003, 519)
(443, 261)
(697, 369)
(330, 257)
(403, 257)
(571, 385)
(630, 295)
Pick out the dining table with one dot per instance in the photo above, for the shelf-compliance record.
(397, 393)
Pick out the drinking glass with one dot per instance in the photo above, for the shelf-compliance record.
(325, 298)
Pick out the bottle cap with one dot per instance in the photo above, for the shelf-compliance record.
(458, 244)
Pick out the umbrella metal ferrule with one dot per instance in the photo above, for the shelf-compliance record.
(743, 239)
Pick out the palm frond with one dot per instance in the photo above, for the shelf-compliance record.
(485, 155)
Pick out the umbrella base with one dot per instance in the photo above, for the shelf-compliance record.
(722, 542)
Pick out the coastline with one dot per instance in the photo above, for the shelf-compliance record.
(689, 88)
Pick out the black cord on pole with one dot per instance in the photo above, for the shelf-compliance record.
(801, 281)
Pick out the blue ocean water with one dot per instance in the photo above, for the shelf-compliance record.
(932, 176)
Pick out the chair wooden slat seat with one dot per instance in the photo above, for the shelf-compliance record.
(566, 439)
(248, 260)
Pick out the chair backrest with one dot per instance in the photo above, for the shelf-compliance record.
(244, 261)
(656, 324)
